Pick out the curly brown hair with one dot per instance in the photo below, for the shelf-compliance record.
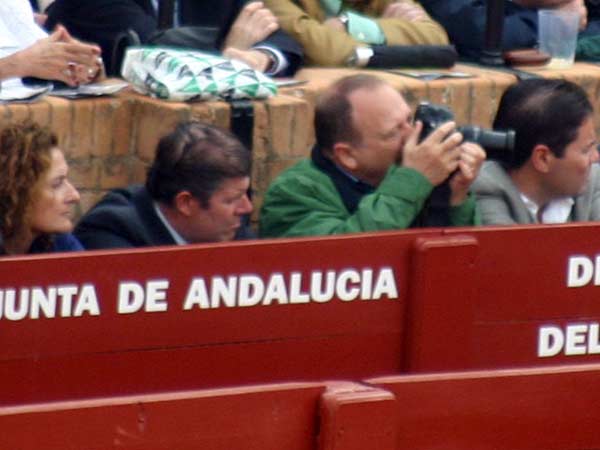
(25, 155)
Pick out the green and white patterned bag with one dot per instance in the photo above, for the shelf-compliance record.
(188, 75)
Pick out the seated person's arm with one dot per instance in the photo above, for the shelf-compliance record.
(573, 5)
(57, 57)
(406, 22)
(327, 44)
(307, 204)
(494, 209)
(542, 3)
(441, 158)
(493, 201)
(109, 224)
(43, 4)
(462, 204)
(304, 201)
(98, 238)
(254, 38)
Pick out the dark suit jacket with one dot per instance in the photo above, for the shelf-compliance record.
(465, 22)
(127, 218)
(222, 14)
(102, 21)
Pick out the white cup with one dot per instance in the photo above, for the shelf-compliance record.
(557, 35)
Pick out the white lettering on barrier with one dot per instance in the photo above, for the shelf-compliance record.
(242, 290)
(573, 340)
(276, 291)
(582, 270)
(347, 285)
(133, 296)
(224, 292)
(320, 287)
(251, 290)
(49, 302)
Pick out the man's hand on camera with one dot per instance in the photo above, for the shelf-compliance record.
(472, 157)
(437, 156)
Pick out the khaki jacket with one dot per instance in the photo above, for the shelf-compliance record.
(324, 46)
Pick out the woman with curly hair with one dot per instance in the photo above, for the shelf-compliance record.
(36, 198)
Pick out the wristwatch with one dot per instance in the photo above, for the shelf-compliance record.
(343, 17)
(272, 64)
(360, 57)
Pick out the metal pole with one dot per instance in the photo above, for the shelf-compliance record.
(166, 11)
(491, 55)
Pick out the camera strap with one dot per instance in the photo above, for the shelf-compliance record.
(241, 124)
(436, 210)
(241, 121)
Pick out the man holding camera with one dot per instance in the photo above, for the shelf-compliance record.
(551, 177)
(369, 171)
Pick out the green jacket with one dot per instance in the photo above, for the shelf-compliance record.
(303, 201)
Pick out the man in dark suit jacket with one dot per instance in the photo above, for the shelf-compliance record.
(195, 191)
(243, 24)
(465, 21)
(104, 21)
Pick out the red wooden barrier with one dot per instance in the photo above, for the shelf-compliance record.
(291, 334)
(546, 408)
(350, 307)
(293, 416)
(551, 408)
(263, 417)
(516, 297)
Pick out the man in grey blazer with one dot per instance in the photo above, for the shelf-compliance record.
(552, 175)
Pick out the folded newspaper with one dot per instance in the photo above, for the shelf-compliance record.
(14, 91)
(109, 87)
(187, 75)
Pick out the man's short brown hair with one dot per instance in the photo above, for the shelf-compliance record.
(333, 113)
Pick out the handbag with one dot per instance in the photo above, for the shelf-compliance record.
(186, 75)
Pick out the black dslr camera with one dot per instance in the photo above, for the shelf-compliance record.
(499, 145)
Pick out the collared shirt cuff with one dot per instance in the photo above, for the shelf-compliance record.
(280, 61)
(364, 29)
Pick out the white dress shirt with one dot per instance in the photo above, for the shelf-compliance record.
(556, 211)
(17, 27)
(17, 31)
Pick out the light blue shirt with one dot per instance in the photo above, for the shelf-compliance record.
(360, 27)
